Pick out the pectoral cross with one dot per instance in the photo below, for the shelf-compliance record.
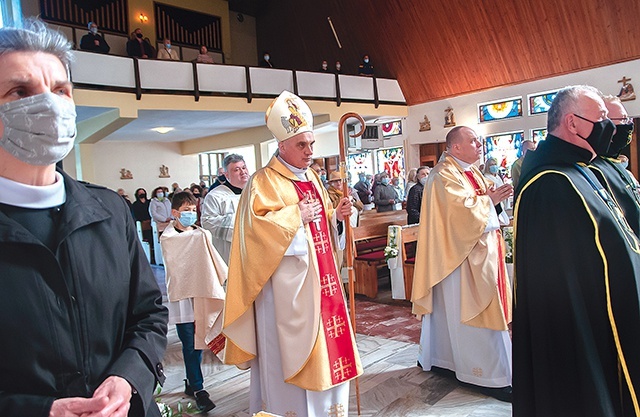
(311, 198)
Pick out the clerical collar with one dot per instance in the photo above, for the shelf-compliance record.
(301, 173)
(466, 166)
(235, 190)
(31, 196)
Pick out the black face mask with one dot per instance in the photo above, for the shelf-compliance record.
(139, 35)
(141, 196)
(222, 178)
(196, 195)
(600, 136)
(620, 139)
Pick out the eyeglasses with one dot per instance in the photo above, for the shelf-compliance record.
(622, 120)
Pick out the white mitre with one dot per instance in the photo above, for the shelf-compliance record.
(287, 116)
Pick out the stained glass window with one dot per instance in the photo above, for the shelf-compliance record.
(505, 147)
(538, 134)
(499, 110)
(391, 160)
(540, 102)
(358, 163)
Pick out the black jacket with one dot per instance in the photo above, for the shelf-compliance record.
(87, 43)
(137, 49)
(74, 316)
(414, 201)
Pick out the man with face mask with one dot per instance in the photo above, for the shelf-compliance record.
(167, 52)
(93, 41)
(609, 170)
(266, 60)
(414, 199)
(80, 303)
(365, 68)
(576, 349)
(137, 47)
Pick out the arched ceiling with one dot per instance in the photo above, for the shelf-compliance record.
(444, 48)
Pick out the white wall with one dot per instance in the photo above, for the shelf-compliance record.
(466, 107)
(144, 161)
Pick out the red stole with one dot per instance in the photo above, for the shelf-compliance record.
(502, 279)
(335, 321)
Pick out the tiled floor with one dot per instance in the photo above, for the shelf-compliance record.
(392, 384)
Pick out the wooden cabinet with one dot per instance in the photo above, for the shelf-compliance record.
(430, 153)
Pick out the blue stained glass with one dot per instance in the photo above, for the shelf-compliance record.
(500, 110)
(538, 134)
(540, 103)
(506, 148)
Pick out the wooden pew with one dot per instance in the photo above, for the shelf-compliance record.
(370, 239)
(409, 241)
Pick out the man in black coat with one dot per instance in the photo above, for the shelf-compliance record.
(84, 325)
(93, 41)
(576, 350)
(138, 47)
(414, 199)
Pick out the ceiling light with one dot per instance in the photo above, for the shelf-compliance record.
(162, 129)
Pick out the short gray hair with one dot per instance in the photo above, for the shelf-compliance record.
(230, 159)
(566, 102)
(36, 36)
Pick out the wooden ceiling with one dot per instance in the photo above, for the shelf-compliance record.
(444, 48)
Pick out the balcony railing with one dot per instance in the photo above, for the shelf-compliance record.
(144, 76)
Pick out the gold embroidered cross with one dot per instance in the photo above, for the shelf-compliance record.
(342, 369)
(335, 326)
(321, 242)
(328, 285)
(336, 410)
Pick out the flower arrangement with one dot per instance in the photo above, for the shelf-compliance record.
(181, 410)
(507, 234)
(390, 252)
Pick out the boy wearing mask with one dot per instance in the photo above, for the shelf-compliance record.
(195, 292)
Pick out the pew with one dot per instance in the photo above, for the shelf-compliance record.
(370, 239)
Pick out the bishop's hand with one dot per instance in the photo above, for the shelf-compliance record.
(309, 210)
(343, 211)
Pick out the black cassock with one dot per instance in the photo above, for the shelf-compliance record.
(576, 325)
(618, 182)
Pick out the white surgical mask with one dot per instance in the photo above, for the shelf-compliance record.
(266, 57)
(423, 180)
(93, 30)
(40, 129)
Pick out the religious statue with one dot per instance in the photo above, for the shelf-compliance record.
(125, 174)
(425, 125)
(164, 172)
(626, 91)
(449, 117)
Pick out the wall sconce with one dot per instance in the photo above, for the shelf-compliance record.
(143, 18)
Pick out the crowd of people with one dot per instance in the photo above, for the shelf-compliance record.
(252, 265)
(141, 47)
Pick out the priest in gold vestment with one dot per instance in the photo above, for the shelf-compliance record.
(285, 316)
(460, 285)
